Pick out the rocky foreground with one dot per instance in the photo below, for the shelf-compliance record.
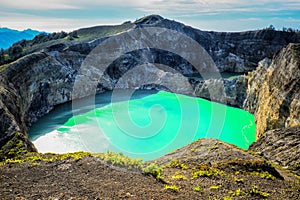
(206, 169)
(43, 76)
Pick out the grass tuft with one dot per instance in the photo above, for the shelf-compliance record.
(173, 188)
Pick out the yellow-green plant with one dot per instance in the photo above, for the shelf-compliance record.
(238, 180)
(254, 191)
(208, 172)
(173, 188)
(121, 160)
(174, 163)
(198, 188)
(154, 169)
(237, 193)
(179, 176)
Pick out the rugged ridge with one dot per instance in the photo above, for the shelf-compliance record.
(281, 146)
(236, 52)
(229, 92)
(273, 93)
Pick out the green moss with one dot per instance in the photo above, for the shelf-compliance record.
(121, 160)
(174, 163)
(37, 157)
(14, 148)
(262, 169)
(198, 189)
(237, 193)
(254, 191)
(76, 156)
(173, 188)
(214, 187)
(154, 170)
(179, 176)
(238, 180)
(110, 157)
(207, 172)
(263, 175)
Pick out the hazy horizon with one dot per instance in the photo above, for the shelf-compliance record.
(218, 15)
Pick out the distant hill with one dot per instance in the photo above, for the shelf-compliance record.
(10, 36)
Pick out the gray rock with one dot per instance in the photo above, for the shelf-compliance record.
(273, 93)
(229, 92)
(236, 52)
(281, 146)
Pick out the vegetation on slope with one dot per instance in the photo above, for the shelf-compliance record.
(186, 173)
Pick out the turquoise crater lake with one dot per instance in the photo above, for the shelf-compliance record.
(147, 126)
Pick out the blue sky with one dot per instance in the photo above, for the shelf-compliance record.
(218, 15)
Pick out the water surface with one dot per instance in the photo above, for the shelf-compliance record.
(147, 126)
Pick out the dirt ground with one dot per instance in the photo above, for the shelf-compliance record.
(223, 172)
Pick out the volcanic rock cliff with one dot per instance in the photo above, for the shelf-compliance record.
(45, 74)
(273, 93)
(281, 146)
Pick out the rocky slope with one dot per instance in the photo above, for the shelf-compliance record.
(202, 170)
(273, 93)
(229, 92)
(236, 52)
(281, 146)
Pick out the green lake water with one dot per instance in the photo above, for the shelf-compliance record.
(147, 126)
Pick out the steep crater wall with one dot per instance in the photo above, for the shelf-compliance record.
(31, 86)
(273, 93)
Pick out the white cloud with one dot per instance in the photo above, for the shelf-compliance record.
(67, 4)
(48, 24)
(217, 6)
(158, 6)
(36, 4)
(193, 10)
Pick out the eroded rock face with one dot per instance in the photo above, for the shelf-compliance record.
(30, 88)
(41, 81)
(151, 75)
(273, 93)
(236, 52)
(229, 92)
(281, 146)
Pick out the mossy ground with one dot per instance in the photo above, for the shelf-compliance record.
(115, 176)
(14, 148)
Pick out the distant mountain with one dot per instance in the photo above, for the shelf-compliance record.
(10, 36)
